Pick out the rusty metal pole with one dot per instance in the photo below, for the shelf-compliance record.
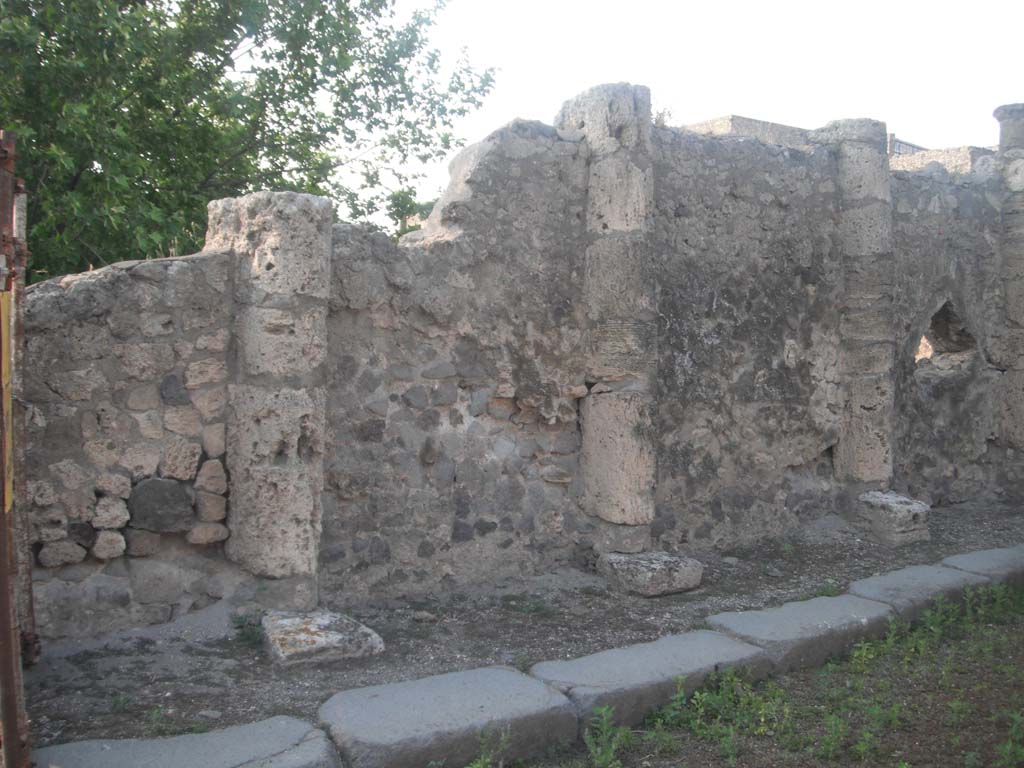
(13, 720)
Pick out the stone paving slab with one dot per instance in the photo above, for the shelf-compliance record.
(1002, 566)
(806, 633)
(912, 591)
(317, 636)
(639, 679)
(280, 742)
(443, 718)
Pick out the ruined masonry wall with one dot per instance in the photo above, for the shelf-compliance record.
(607, 337)
(125, 389)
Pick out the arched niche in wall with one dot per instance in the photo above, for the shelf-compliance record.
(947, 347)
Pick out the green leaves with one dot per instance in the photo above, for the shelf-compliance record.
(133, 116)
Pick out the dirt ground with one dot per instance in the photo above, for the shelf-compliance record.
(166, 683)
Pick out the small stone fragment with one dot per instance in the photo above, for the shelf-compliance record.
(184, 421)
(180, 459)
(207, 533)
(158, 504)
(203, 372)
(651, 573)
(151, 424)
(292, 638)
(60, 553)
(141, 459)
(114, 485)
(210, 402)
(111, 512)
(210, 507)
(213, 440)
(109, 544)
(895, 520)
(211, 477)
(144, 398)
(82, 533)
(442, 370)
(556, 475)
(172, 391)
(141, 543)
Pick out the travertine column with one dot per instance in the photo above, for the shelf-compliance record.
(277, 398)
(867, 328)
(618, 460)
(1009, 347)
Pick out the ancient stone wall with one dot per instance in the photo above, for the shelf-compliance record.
(946, 235)
(609, 337)
(749, 399)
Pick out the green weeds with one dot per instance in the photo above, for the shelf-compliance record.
(248, 628)
(605, 741)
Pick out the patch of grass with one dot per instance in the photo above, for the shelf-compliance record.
(1010, 753)
(158, 723)
(248, 628)
(492, 748)
(120, 703)
(828, 590)
(522, 662)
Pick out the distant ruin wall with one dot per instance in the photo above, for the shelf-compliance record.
(607, 337)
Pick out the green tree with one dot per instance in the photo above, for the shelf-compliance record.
(133, 114)
(405, 211)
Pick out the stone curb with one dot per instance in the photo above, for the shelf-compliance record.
(444, 717)
(911, 591)
(1002, 566)
(639, 679)
(280, 742)
(806, 633)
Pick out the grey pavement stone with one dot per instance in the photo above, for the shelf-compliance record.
(999, 565)
(443, 718)
(638, 679)
(280, 742)
(911, 591)
(806, 633)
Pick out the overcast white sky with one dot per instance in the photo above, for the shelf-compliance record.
(933, 71)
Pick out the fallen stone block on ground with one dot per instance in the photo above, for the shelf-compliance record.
(912, 591)
(638, 679)
(895, 520)
(280, 742)
(443, 719)
(292, 638)
(651, 573)
(804, 634)
(1002, 566)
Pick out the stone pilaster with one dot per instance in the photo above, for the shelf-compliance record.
(863, 454)
(1009, 349)
(277, 403)
(618, 458)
